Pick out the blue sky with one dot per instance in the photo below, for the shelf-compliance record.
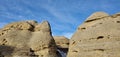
(64, 15)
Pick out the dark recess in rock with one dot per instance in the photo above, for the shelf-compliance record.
(100, 37)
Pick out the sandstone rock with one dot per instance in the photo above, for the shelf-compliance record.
(61, 41)
(46, 46)
(97, 38)
(43, 27)
(20, 40)
(97, 15)
(18, 26)
(62, 45)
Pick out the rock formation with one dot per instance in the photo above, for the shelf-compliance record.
(27, 39)
(62, 45)
(61, 41)
(98, 36)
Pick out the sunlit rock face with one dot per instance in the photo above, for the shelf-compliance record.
(27, 39)
(61, 41)
(98, 36)
(62, 45)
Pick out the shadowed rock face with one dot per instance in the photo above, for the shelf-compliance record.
(62, 45)
(97, 37)
(27, 39)
(6, 50)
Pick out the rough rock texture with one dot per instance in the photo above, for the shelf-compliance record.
(61, 41)
(62, 45)
(97, 37)
(22, 39)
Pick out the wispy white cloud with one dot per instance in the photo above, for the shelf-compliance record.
(61, 16)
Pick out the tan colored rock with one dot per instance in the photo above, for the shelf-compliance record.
(61, 41)
(20, 40)
(15, 37)
(62, 45)
(19, 26)
(46, 46)
(97, 38)
(43, 27)
(97, 15)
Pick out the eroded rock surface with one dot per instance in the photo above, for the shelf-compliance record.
(22, 39)
(61, 41)
(97, 37)
(62, 45)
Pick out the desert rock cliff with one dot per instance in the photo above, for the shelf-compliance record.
(27, 39)
(98, 36)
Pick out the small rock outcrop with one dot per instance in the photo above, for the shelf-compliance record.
(98, 36)
(61, 41)
(27, 39)
(62, 45)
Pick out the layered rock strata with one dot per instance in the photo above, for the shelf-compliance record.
(98, 36)
(27, 39)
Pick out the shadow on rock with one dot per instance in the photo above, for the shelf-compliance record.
(6, 50)
(62, 52)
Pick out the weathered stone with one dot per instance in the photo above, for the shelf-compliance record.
(20, 40)
(62, 45)
(97, 15)
(46, 46)
(18, 26)
(97, 38)
(61, 41)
